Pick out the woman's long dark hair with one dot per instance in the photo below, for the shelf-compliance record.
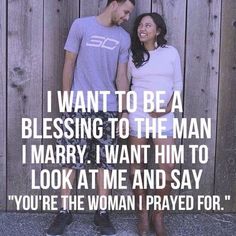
(138, 50)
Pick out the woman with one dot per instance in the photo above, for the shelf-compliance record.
(153, 66)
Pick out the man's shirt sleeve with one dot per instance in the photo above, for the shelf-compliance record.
(124, 49)
(75, 37)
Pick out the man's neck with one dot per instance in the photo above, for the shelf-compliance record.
(105, 19)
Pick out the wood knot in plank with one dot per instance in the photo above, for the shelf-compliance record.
(13, 85)
(18, 71)
(231, 161)
(18, 78)
(24, 97)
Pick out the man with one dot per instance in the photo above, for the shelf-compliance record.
(96, 60)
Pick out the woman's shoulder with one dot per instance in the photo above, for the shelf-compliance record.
(170, 51)
(170, 48)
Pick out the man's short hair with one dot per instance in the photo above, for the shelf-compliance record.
(120, 1)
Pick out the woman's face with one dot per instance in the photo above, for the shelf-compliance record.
(147, 30)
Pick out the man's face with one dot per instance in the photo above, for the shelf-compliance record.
(121, 12)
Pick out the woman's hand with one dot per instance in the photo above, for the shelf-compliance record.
(167, 110)
(154, 114)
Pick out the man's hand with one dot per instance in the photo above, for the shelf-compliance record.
(123, 115)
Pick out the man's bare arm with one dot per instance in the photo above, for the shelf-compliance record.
(122, 82)
(68, 71)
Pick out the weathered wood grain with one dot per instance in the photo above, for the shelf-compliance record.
(25, 30)
(92, 7)
(225, 171)
(201, 81)
(3, 80)
(58, 17)
(174, 14)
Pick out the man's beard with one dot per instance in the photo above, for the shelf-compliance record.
(115, 22)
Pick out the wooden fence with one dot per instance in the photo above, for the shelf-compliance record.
(33, 33)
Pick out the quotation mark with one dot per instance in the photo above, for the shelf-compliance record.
(227, 197)
(11, 197)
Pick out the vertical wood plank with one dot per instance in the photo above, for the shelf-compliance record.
(3, 16)
(225, 171)
(58, 17)
(92, 7)
(201, 83)
(174, 14)
(25, 21)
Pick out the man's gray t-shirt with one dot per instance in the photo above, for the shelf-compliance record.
(100, 49)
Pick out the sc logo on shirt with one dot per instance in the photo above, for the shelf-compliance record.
(102, 42)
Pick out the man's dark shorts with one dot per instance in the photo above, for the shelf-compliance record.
(91, 143)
